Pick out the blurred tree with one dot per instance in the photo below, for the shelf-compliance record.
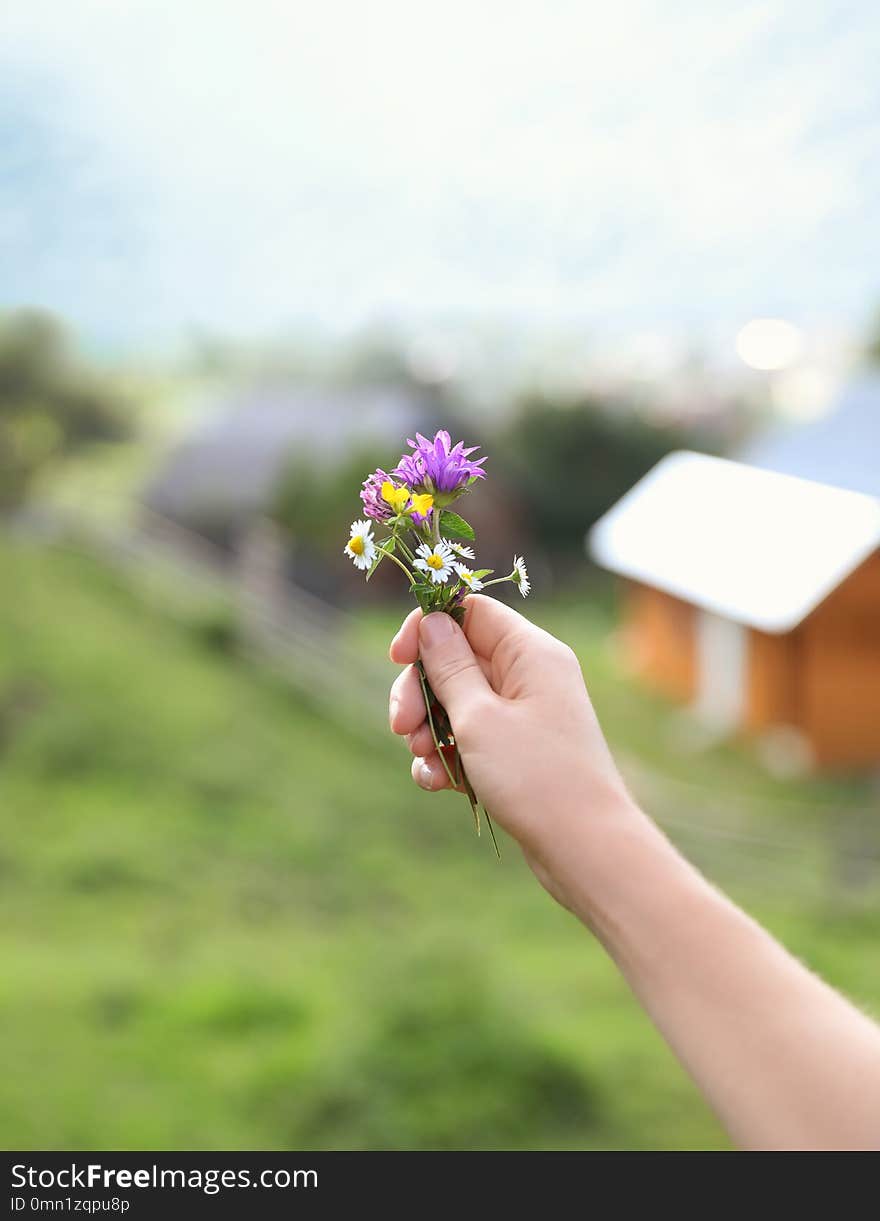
(50, 402)
(375, 357)
(572, 460)
(315, 501)
(872, 343)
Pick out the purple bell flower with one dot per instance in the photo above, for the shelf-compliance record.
(444, 466)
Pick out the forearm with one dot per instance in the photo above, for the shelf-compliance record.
(783, 1059)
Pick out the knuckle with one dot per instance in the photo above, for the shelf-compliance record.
(566, 654)
(449, 669)
(473, 718)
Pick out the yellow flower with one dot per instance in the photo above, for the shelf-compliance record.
(421, 504)
(396, 497)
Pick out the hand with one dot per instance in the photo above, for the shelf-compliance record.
(523, 722)
(784, 1060)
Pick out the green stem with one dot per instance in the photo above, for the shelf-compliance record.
(492, 833)
(460, 779)
(421, 672)
(401, 566)
(446, 604)
(500, 580)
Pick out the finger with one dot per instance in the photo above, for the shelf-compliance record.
(421, 741)
(455, 675)
(406, 704)
(487, 622)
(404, 648)
(430, 774)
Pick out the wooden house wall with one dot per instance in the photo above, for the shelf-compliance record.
(823, 677)
(659, 640)
(839, 672)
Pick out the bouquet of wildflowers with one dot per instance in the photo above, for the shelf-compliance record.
(409, 521)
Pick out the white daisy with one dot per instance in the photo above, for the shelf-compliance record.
(461, 549)
(520, 576)
(361, 547)
(435, 560)
(467, 576)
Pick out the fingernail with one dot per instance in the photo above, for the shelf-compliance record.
(436, 628)
(393, 707)
(425, 775)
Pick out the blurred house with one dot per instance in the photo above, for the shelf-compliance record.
(225, 473)
(840, 448)
(755, 596)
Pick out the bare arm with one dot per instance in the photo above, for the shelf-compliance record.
(784, 1060)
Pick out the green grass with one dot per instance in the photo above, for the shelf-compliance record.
(226, 924)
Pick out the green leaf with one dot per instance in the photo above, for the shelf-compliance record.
(424, 594)
(453, 526)
(388, 544)
(483, 572)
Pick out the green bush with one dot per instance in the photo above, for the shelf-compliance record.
(316, 499)
(217, 629)
(572, 460)
(50, 401)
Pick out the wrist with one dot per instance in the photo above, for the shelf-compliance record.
(619, 874)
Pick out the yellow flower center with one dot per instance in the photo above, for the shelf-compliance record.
(356, 544)
(467, 577)
(396, 497)
(435, 561)
(421, 504)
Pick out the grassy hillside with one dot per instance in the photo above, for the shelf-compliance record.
(226, 924)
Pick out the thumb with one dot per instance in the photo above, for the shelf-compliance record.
(452, 669)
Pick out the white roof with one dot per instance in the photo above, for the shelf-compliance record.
(755, 546)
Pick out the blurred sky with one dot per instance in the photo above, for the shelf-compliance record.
(255, 165)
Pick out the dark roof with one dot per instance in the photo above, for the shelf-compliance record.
(842, 448)
(228, 467)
